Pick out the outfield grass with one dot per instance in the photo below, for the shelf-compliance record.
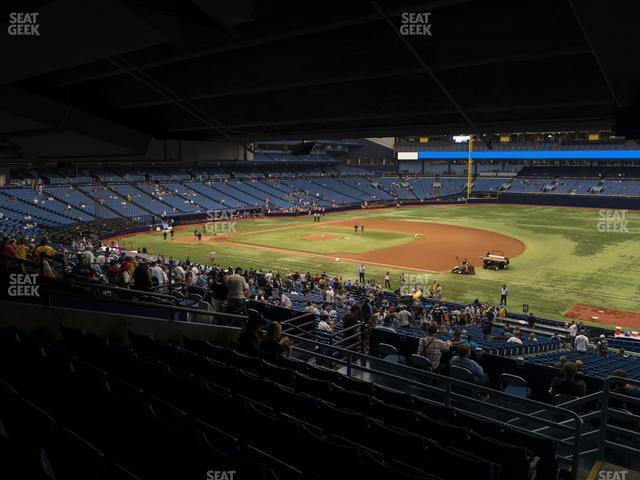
(567, 259)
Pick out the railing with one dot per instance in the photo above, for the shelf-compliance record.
(525, 415)
(305, 326)
(625, 419)
(52, 289)
(610, 424)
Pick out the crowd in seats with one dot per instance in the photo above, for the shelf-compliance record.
(157, 410)
(337, 304)
(592, 363)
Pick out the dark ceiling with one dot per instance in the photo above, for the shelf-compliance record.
(255, 69)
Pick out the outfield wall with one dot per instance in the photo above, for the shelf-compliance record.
(541, 199)
(554, 200)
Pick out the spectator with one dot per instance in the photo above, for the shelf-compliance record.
(432, 347)
(249, 338)
(141, 276)
(468, 339)
(461, 359)
(625, 389)
(329, 295)
(457, 339)
(43, 250)
(603, 346)
(567, 384)
(573, 332)
(10, 249)
(515, 339)
(285, 301)
(325, 324)
(561, 361)
(353, 317)
(274, 342)
(238, 291)
(218, 292)
(387, 323)
(487, 326)
(581, 342)
(404, 317)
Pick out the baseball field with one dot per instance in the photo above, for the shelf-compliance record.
(565, 262)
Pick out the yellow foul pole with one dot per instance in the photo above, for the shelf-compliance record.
(469, 167)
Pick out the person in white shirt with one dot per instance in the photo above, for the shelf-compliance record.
(325, 325)
(158, 274)
(179, 274)
(503, 294)
(329, 295)
(285, 301)
(88, 255)
(404, 317)
(581, 343)
(311, 308)
(515, 339)
(573, 331)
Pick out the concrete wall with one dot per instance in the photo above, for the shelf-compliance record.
(196, 151)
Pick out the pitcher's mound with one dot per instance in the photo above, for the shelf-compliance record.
(322, 236)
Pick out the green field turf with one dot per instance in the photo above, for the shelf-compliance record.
(567, 258)
(344, 240)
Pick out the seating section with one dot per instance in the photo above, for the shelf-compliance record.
(36, 206)
(178, 197)
(138, 197)
(80, 200)
(594, 365)
(106, 197)
(158, 410)
(409, 336)
(102, 193)
(215, 198)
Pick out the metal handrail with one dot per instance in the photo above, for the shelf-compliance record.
(449, 394)
(605, 427)
(171, 308)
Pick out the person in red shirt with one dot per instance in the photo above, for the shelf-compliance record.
(9, 249)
